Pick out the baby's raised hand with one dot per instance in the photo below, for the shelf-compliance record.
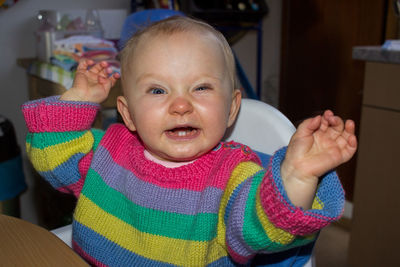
(319, 145)
(92, 82)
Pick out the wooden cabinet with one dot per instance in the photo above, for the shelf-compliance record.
(375, 227)
(317, 71)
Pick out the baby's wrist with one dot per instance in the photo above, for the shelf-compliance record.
(289, 171)
(300, 188)
(73, 95)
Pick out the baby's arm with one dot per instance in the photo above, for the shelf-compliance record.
(60, 142)
(92, 82)
(319, 145)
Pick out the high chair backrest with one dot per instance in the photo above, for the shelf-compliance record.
(261, 127)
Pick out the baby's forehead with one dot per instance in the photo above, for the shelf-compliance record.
(193, 35)
(149, 44)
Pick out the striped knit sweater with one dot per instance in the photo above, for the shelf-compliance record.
(220, 210)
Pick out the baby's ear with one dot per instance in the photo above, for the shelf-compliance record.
(235, 106)
(122, 106)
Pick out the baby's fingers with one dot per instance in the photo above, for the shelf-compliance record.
(335, 126)
(108, 79)
(348, 133)
(99, 68)
(114, 77)
(308, 127)
(84, 64)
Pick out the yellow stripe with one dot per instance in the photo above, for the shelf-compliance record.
(275, 234)
(50, 157)
(239, 175)
(173, 251)
(317, 204)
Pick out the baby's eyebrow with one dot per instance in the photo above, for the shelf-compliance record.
(158, 77)
(149, 75)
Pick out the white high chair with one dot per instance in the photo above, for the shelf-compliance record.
(259, 125)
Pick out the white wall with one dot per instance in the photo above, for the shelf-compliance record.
(17, 41)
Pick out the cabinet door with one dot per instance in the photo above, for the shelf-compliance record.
(375, 229)
(318, 71)
(382, 85)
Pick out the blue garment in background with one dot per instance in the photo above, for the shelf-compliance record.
(12, 180)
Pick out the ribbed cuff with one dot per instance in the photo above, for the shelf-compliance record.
(53, 115)
(283, 214)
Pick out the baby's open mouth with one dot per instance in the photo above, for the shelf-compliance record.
(183, 132)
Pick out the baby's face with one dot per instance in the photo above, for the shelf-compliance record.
(178, 95)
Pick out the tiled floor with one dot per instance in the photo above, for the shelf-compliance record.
(331, 247)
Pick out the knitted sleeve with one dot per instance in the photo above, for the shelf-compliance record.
(260, 218)
(60, 142)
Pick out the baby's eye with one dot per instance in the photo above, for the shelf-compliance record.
(202, 88)
(157, 91)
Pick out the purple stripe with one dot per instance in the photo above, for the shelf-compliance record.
(234, 228)
(55, 100)
(165, 199)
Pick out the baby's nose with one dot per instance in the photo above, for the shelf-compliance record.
(180, 106)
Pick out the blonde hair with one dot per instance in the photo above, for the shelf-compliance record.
(172, 25)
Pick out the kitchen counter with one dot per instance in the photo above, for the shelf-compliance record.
(376, 54)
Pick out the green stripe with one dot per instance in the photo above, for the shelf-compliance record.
(97, 135)
(55, 138)
(253, 231)
(51, 139)
(173, 225)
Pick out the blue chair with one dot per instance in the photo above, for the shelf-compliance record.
(141, 19)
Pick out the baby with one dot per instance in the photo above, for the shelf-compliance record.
(163, 189)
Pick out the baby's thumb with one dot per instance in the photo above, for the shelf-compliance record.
(308, 126)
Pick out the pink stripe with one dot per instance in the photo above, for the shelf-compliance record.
(92, 261)
(84, 163)
(75, 188)
(277, 209)
(212, 169)
(238, 258)
(55, 118)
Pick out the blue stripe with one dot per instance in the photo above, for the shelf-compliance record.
(111, 254)
(265, 158)
(231, 200)
(65, 174)
(106, 251)
(224, 261)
